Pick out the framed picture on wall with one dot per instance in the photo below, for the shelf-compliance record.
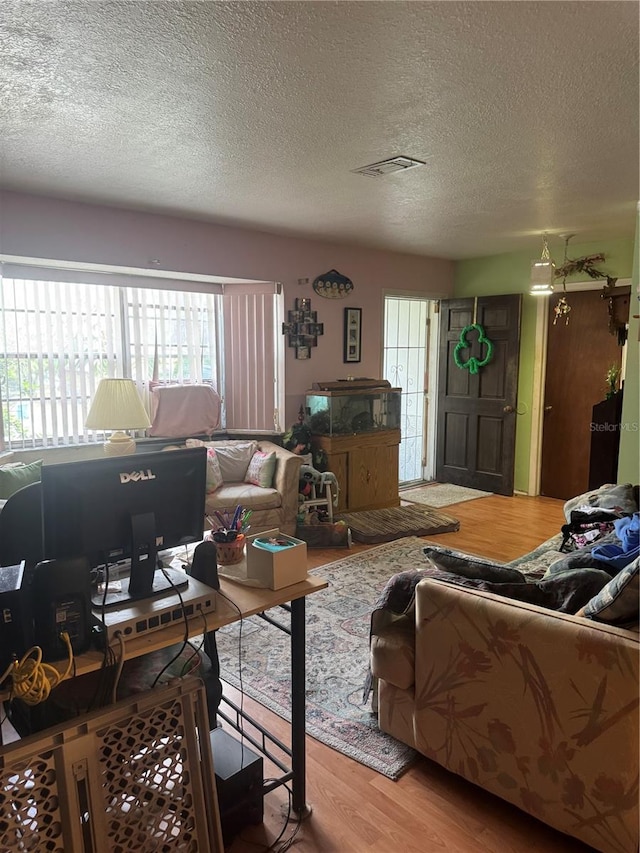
(352, 334)
(302, 328)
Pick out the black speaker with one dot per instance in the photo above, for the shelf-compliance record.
(61, 601)
(204, 566)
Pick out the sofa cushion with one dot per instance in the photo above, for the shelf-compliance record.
(617, 602)
(234, 460)
(14, 477)
(261, 469)
(245, 494)
(620, 497)
(535, 563)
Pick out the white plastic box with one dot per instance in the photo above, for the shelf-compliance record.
(275, 569)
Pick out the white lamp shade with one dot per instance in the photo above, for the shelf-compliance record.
(117, 405)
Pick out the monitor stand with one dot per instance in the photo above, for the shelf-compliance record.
(144, 580)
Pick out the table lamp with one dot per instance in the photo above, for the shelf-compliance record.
(117, 406)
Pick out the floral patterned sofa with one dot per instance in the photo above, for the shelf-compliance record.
(537, 706)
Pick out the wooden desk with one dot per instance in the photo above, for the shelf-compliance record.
(249, 601)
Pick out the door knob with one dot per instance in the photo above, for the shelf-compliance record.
(548, 408)
(508, 410)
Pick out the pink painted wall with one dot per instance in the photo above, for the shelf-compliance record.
(40, 227)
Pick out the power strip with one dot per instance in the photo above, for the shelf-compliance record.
(139, 618)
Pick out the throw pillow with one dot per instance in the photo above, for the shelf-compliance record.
(233, 456)
(234, 460)
(466, 566)
(617, 602)
(15, 477)
(607, 497)
(214, 475)
(261, 469)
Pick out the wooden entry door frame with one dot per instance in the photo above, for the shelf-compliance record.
(540, 373)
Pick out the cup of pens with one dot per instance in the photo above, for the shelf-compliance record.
(228, 531)
(229, 553)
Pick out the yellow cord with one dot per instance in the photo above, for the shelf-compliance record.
(34, 680)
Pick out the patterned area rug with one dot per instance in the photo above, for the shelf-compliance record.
(384, 525)
(441, 494)
(337, 657)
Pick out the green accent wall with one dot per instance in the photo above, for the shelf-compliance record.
(510, 273)
(629, 459)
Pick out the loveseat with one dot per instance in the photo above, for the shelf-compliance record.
(537, 706)
(259, 475)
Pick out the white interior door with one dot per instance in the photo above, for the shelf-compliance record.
(407, 361)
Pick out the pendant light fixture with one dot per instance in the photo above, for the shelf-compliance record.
(542, 272)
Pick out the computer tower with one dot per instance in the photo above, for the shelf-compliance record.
(16, 621)
(239, 780)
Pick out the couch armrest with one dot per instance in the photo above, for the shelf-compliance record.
(536, 706)
(286, 477)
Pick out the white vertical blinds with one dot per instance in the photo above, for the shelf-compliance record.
(58, 339)
(252, 396)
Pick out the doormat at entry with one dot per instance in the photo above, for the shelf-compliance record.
(384, 525)
(441, 494)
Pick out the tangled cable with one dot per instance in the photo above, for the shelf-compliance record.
(33, 680)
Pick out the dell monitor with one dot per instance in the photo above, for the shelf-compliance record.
(125, 507)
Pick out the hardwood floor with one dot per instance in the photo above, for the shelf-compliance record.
(355, 809)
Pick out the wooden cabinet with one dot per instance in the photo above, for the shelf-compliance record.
(366, 467)
(357, 424)
(605, 441)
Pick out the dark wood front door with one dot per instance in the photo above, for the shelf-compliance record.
(578, 357)
(476, 430)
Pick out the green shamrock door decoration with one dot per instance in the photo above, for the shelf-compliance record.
(472, 364)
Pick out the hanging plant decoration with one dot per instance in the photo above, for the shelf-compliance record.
(586, 265)
(472, 364)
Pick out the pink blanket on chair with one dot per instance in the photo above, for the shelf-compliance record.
(180, 411)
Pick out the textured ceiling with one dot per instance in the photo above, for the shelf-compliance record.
(255, 113)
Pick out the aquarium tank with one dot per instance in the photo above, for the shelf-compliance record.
(347, 407)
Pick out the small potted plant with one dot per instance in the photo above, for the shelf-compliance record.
(613, 375)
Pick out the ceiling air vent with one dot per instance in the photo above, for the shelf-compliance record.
(386, 167)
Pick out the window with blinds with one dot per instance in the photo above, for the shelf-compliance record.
(59, 338)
